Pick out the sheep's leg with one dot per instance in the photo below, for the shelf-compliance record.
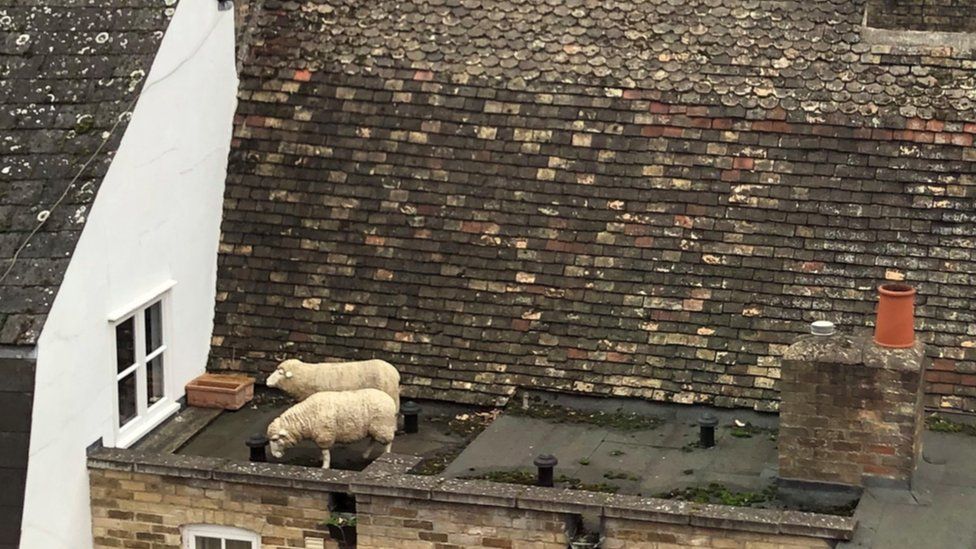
(326, 459)
(387, 447)
(369, 449)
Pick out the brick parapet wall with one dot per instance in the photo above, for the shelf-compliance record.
(141, 500)
(851, 411)
(398, 522)
(600, 240)
(630, 534)
(143, 511)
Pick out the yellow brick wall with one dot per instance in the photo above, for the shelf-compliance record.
(146, 511)
(386, 522)
(631, 534)
(141, 511)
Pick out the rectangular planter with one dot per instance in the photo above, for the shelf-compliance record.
(229, 392)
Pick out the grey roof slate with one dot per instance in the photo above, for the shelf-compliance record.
(69, 71)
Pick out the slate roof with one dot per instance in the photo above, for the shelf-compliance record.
(805, 56)
(69, 73)
(647, 198)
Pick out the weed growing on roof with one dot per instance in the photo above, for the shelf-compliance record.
(721, 495)
(467, 425)
(749, 430)
(620, 475)
(528, 478)
(619, 419)
(940, 424)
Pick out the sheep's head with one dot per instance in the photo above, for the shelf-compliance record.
(280, 374)
(280, 439)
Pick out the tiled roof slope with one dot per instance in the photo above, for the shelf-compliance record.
(646, 198)
(69, 72)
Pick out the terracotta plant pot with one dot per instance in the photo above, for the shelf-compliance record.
(895, 325)
(229, 392)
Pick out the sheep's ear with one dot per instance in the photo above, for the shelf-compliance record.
(288, 375)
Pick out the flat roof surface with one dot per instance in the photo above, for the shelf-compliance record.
(636, 447)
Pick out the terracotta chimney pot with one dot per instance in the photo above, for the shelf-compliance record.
(895, 325)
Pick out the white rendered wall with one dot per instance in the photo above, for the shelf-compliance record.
(156, 218)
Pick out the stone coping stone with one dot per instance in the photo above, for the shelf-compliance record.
(220, 469)
(389, 479)
(275, 474)
(477, 492)
(726, 517)
(391, 464)
(818, 525)
(561, 500)
(398, 486)
(650, 509)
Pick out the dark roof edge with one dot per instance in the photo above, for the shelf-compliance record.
(18, 351)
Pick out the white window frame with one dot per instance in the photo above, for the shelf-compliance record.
(224, 533)
(147, 417)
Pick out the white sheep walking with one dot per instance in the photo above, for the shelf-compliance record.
(300, 379)
(331, 417)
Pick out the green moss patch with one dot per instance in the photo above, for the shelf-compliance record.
(939, 424)
(528, 478)
(467, 426)
(719, 494)
(619, 419)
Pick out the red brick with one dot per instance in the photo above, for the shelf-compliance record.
(660, 108)
(303, 75)
(915, 124)
(942, 377)
(743, 163)
(731, 175)
(577, 354)
(962, 139)
(652, 131)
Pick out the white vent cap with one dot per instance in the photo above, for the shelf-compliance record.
(822, 328)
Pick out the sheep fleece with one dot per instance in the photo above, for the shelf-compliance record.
(331, 417)
(310, 378)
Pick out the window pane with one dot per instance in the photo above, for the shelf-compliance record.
(154, 327)
(125, 347)
(207, 543)
(154, 380)
(127, 398)
(238, 544)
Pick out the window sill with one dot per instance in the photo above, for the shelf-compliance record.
(159, 413)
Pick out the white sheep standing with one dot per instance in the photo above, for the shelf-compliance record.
(300, 379)
(329, 417)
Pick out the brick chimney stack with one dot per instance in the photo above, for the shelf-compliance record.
(851, 410)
